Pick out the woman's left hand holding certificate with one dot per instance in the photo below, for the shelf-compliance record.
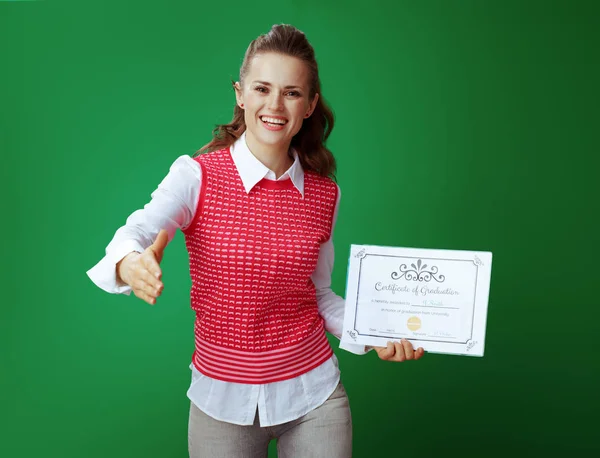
(399, 351)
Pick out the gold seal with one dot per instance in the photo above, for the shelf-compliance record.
(413, 323)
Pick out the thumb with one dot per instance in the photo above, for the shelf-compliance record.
(162, 239)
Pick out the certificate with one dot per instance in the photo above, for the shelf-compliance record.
(437, 299)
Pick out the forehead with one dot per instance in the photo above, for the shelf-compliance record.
(278, 70)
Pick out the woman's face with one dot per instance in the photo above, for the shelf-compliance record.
(275, 99)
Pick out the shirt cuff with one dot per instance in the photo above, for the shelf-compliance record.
(104, 274)
(356, 349)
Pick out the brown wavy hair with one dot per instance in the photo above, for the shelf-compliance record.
(309, 142)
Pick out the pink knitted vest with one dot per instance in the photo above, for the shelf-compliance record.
(251, 258)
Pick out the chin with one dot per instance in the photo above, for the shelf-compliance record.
(272, 138)
(272, 141)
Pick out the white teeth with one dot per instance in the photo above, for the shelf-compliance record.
(272, 120)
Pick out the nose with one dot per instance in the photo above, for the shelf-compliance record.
(275, 101)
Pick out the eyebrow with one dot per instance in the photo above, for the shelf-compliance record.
(264, 83)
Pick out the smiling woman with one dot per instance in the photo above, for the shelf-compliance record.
(279, 79)
(276, 101)
(257, 206)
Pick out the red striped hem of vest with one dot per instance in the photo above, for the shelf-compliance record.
(237, 366)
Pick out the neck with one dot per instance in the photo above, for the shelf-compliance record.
(275, 157)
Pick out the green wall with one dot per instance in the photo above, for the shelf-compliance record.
(460, 125)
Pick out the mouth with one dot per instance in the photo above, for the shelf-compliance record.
(273, 121)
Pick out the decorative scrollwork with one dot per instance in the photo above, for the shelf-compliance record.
(418, 273)
(361, 254)
(471, 344)
(477, 261)
(352, 334)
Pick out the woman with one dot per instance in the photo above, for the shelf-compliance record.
(257, 208)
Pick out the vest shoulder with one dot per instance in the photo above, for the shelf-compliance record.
(214, 158)
(321, 180)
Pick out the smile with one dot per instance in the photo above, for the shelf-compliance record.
(270, 120)
(273, 123)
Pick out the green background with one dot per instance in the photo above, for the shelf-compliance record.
(460, 125)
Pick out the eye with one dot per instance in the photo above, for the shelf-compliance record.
(293, 93)
(260, 89)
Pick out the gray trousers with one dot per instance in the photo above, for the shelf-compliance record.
(324, 432)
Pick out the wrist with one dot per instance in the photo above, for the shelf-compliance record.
(121, 267)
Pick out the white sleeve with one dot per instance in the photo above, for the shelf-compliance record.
(331, 306)
(172, 207)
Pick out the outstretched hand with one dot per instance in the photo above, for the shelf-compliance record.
(142, 271)
(399, 351)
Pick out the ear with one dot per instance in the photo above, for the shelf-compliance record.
(238, 94)
(312, 106)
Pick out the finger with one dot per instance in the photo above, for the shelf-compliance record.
(419, 353)
(143, 296)
(386, 353)
(145, 281)
(158, 247)
(142, 278)
(150, 263)
(390, 350)
(151, 290)
(153, 283)
(408, 349)
(399, 356)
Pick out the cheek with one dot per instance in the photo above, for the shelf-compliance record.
(251, 101)
(299, 110)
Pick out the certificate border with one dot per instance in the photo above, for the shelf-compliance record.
(364, 255)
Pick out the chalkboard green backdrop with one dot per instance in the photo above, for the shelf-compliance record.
(460, 124)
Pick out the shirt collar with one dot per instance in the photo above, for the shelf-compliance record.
(251, 170)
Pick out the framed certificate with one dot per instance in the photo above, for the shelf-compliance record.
(437, 299)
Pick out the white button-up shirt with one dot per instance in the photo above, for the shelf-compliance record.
(173, 206)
